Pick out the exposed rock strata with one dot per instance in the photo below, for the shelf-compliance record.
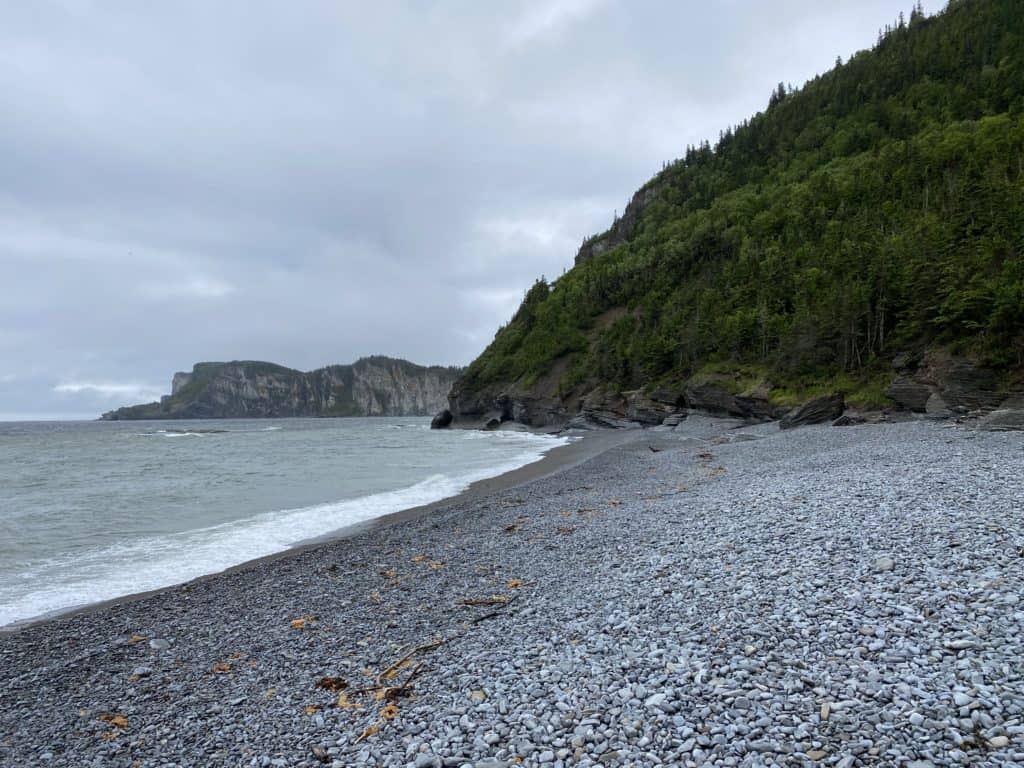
(816, 411)
(936, 384)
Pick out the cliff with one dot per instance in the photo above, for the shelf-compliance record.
(862, 235)
(372, 386)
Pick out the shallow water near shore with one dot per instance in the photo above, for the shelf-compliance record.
(91, 511)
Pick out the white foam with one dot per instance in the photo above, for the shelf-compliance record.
(61, 584)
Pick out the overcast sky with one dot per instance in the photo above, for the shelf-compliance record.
(310, 182)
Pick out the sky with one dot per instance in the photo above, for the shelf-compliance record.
(311, 182)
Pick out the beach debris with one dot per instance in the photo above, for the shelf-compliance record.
(389, 574)
(221, 668)
(367, 733)
(321, 754)
(389, 672)
(392, 672)
(331, 683)
(311, 709)
(565, 530)
(136, 639)
(159, 644)
(654, 450)
(419, 558)
(344, 703)
(512, 528)
(514, 583)
(614, 502)
(478, 697)
(114, 719)
(301, 622)
(492, 600)
(435, 564)
(382, 690)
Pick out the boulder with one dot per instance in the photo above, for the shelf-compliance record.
(711, 398)
(606, 408)
(443, 420)
(539, 411)
(756, 408)
(1003, 420)
(848, 420)
(909, 393)
(951, 384)
(960, 381)
(644, 409)
(714, 398)
(936, 407)
(816, 411)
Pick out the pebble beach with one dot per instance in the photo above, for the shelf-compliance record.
(712, 595)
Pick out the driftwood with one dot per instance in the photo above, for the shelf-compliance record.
(492, 600)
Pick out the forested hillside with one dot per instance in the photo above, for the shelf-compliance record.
(878, 209)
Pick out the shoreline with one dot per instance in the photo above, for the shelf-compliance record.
(652, 597)
(555, 460)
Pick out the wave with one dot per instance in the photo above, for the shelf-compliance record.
(184, 432)
(61, 584)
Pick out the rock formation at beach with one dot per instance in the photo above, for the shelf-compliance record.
(372, 386)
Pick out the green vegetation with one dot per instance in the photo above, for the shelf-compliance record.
(879, 208)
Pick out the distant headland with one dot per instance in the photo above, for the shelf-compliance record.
(372, 386)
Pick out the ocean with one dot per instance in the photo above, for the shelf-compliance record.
(91, 511)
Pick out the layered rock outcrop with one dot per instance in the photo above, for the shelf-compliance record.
(372, 386)
(936, 384)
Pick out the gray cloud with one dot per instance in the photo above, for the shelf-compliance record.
(311, 182)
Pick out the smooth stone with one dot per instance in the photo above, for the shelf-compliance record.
(883, 564)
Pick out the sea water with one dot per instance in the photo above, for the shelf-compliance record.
(91, 511)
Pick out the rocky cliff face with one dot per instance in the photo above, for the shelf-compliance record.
(372, 386)
(934, 383)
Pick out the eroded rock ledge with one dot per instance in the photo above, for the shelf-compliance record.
(935, 385)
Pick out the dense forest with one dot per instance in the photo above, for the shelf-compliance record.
(875, 210)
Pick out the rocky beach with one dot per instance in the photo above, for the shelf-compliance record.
(716, 594)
